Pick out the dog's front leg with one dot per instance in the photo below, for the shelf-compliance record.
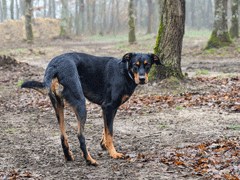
(109, 112)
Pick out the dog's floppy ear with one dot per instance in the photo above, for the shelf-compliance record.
(127, 57)
(155, 59)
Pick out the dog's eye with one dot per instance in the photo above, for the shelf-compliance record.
(135, 65)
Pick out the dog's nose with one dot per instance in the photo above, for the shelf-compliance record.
(142, 79)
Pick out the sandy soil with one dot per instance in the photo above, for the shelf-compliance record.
(30, 136)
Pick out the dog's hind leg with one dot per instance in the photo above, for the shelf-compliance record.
(74, 95)
(58, 105)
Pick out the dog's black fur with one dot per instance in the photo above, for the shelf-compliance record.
(106, 81)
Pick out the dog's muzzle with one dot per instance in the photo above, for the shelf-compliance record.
(142, 79)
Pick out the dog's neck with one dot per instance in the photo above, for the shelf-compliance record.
(129, 72)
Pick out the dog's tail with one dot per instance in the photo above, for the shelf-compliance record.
(43, 87)
(37, 86)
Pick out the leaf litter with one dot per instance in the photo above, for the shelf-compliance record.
(212, 159)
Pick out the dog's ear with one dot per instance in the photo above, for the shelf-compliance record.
(155, 59)
(127, 57)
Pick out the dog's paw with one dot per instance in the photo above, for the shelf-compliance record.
(92, 163)
(117, 155)
(69, 157)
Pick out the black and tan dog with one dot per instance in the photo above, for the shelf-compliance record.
(106, 81)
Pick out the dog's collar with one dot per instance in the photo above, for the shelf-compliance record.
(129, 71)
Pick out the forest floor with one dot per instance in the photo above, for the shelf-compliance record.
(173, 129)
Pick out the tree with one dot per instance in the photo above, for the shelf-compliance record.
(131, 34)
(64, 18)
(220, 36)
(12, 9)
(28, 18)
(4, 4)
(169, 39)
(233, 31)
(150, 12)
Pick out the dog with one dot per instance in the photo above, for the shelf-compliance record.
(106, 81)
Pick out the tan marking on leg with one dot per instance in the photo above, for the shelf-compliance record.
(146, 77)
(102, 142)
(110, 147)
(108, 139)
(60, 113)
(80, 130)
(125, 98)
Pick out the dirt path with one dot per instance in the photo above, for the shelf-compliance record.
(30, 136)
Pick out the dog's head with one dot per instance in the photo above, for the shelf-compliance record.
(139, 64)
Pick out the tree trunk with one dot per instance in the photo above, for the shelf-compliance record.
(17, 9)
(77, 17)
(169, 40)
(233, 31)
(112, 17)
(12, 9)
(82, 8)
(44, 8)
(50, 8)
(54, 9)
(28, 22)
(93, 16)
(131, 34)
(220, 36)
(150, 12)
(1, 12)
(64, 19)
(4, 3)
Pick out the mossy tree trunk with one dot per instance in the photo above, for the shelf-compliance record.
(220, 36)
(169, 40)
(64, 18)
(233, 31)
(28, 22)
(131, 34)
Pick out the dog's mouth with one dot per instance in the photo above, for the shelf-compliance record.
(142, 82)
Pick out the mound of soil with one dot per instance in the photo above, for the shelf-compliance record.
(7, 60)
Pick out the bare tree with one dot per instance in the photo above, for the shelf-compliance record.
(12, 9)
(234, 27)
(4, 4)
(220, 36)
(169, 40)
(54, 9)
(28, 22)
(17, 9)
(131, 34)
(150, 12)
(64, 18)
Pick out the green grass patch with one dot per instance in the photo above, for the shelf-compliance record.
(20, 83)
(4, 51)
(119, 37)
(179, 107)
(11, 131)
(162, 126)
(19, 51)
(197, 33)
(234, 127)
(201, 72)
